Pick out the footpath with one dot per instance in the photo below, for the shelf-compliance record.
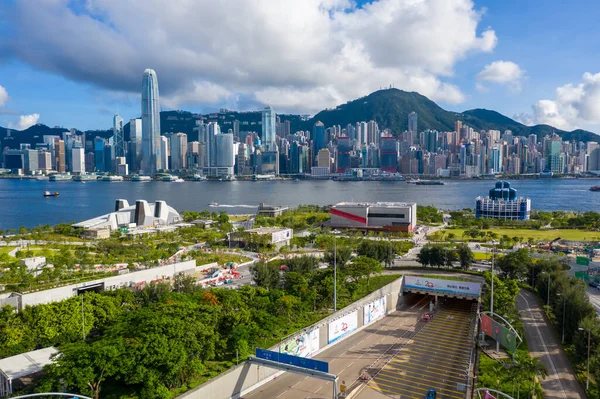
(543, 342)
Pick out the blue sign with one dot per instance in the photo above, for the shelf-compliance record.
(303, 362)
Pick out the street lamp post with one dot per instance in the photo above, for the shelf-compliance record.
(492, 294)
(563, 315)
(334, 232)
(548, 297)
(587, 380)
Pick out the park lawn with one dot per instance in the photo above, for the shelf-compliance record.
(482, 256)
(544, 235)
(6, 249)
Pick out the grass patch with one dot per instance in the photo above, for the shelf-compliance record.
(544, 235)
(6, 249)
(482, 256)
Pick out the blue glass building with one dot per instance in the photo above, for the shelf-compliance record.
(503, 203)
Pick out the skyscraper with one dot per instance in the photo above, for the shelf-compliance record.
(225, 153)
(118, 139)
(135, 139)
(319, 137)
(78, 159)
(179, 151)
(268, 128)
(151, 144)
(412, 122)
(99, 154)
(59, 151)
(164, 152)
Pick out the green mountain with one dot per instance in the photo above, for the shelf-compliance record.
(389, 108)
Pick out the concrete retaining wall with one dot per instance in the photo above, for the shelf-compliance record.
(244, 378)
(119, 281)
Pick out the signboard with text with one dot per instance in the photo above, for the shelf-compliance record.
(583, 261)
(297, 361)
(342, 327)
(438, 285)
(374, 310)
(503, 335)
(302, 345)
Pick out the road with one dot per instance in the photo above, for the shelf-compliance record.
(544, 343)
(373, 345)
(594, 295)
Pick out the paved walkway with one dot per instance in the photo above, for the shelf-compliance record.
(544, 343)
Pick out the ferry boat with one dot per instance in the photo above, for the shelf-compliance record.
(429, 183)
(199, 178)
(60, 177)
(595, 188)
(213, 204)
(112, 178)
(42, 178)
(85, 177)
(169, 178)
(49, 194)
(141, 178)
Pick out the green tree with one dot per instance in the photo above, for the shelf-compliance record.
(514, 265)
(266, 274)
(465, 255)
(84, 367)
(363, 266)
(342, 256)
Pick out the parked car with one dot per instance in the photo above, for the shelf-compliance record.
(593, 284)
(431, 394)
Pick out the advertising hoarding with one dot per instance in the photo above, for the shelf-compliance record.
(280, 236)
(374, 310)
(302, 345)
(342, 327)
(503, 335)
(450, 286)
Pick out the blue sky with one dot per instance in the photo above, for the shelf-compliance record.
(75, 66)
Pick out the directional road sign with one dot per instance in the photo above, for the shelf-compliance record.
(303, 362)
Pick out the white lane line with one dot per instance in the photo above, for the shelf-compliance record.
(282, 393)
(539, 333)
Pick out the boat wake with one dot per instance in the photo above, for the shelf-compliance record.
(235, 206)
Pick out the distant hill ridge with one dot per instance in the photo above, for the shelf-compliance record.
(389, 108)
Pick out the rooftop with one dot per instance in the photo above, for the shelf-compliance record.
(380, 204)
(267, 230)
(26, 363)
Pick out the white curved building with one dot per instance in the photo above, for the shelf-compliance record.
(151, 159)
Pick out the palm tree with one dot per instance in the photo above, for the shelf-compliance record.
(532, 368)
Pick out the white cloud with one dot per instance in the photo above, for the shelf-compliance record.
(575, 106)
(24, 122)
(299, 55)
(503, 72)
(3, 96)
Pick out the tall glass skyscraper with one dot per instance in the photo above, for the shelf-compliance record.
(151, 159)
(268, 128)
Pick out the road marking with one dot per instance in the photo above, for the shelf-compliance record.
(537, 329)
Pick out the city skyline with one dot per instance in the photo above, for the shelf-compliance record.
(487, 63)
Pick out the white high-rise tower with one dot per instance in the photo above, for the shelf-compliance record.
(151, 144)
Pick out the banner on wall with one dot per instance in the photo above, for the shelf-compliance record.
(503, 335)
(437, 285)
(302, 345)
(342, 327)
(374, 310)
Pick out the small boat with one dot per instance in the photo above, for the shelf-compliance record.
(595, 188)
(141, 178)
(49, 194)
(429, 183)
(213, 204)
(180, 180)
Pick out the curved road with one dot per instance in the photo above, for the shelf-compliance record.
(544, 343)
